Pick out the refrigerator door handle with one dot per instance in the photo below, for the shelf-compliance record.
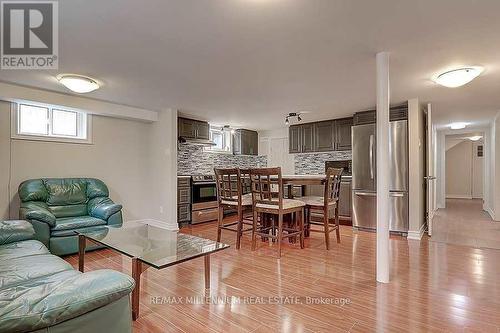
(366, 194)
(371, 156)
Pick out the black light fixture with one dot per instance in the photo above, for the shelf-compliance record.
(292, 115)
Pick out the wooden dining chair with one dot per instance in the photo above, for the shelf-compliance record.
(267, 199)
(231, 186)
(324, 205)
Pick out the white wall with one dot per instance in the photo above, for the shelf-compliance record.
(464, 169)
(495, 172)
(459, 169)
(416, 193)
(274, 145)
(135, 159)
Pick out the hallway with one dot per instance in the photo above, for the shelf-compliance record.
(464, 222)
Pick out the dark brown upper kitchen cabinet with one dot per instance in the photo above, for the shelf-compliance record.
(301, 138)
(343, 134)
(294, 140)
(308, 139)
(190, 128)
(245, 142)
(320, 136)
(324, 132)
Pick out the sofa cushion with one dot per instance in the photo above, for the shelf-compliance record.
(66, 191)
(69, 210)
(15, 231)
(33, 190)
(22, 249)
(22, 269)
(96, 188)
(71, 223)
(46, 302)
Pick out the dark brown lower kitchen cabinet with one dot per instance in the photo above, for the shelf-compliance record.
(345, 200)
(343, 129)
(245, 142)
(183, 199)
(324, 139)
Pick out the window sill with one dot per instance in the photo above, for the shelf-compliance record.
(51, 139)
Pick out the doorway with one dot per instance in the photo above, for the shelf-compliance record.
(462, 220)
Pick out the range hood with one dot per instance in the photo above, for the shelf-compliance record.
(193, 141)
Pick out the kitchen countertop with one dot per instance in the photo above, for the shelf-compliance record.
(347, 177)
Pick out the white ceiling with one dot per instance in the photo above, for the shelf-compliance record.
(249, 62)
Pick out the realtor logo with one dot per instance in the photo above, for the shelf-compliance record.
(29, 35)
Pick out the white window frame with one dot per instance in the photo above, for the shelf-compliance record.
(227, 140)
(83, 127)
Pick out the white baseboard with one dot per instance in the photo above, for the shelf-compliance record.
(490, 212)
(158, 223)
(458, 196)
(416, 235)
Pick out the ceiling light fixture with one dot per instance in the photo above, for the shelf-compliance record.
(78, 83)
(476, 138)
(457, 126)
(458, 77)
(292, 115)
(229, 128)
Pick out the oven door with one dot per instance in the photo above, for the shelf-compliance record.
(204, 192)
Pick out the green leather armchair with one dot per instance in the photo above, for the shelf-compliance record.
(57, 207)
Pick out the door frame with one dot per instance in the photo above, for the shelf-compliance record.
(441, 164)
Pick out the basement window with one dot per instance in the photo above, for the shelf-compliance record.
(222, 138)
(49, 123)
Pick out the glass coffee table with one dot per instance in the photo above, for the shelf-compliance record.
(149, 246)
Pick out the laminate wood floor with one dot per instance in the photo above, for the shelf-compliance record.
(464, 222)
(435, 287)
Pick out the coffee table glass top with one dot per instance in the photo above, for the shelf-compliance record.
(152, 245)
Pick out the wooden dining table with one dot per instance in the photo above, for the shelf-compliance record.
(301, 180)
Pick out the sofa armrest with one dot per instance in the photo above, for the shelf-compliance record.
(37, 211)
(61, 298)
(103, 208)
(15, 231)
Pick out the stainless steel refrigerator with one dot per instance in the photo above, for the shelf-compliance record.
(364, 176)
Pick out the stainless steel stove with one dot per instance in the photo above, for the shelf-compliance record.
(204, 199)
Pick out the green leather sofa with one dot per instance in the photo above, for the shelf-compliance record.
(40, 292)
(57, 207)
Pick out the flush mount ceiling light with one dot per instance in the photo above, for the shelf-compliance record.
(292, 115)
(457, 126)
(458, 77)
(78, 83)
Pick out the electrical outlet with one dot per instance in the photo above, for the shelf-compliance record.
(161, 209)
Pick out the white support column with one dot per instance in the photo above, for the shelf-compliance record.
(383, 167)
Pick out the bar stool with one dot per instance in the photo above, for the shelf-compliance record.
(230, 195)
(267, 198)
(324, 205)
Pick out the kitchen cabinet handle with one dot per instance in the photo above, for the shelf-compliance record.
(398, 195)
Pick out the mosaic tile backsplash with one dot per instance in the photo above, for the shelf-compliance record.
(314, 163)
(193, 160)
